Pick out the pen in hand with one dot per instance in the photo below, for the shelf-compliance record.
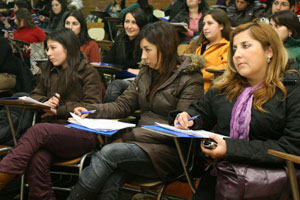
(88, 112)
(190, 119)
(58, 97)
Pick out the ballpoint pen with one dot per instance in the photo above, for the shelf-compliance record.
(57, 98)
(88, 112)
(190, 119)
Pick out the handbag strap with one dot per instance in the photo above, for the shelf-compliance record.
(241, 181)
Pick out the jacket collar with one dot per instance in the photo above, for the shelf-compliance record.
(292, 75)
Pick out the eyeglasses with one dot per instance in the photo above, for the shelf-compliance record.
(283, 4)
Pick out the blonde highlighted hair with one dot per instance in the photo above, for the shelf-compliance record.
(232, 84)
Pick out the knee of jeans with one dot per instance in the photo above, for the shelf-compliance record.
(110, 152)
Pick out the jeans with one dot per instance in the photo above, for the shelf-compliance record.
(115, 89)
(111, 166)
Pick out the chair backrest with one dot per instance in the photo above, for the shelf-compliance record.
(158, 13)
(97, 34)
(95, 25)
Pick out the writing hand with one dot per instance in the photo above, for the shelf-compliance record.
(78, 111)
(182, 121)
(53, 101)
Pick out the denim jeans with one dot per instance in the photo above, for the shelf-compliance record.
(115, 89)
(110, 167)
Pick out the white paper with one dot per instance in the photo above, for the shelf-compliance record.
(29, 99)
(197, 133)
(100, 124)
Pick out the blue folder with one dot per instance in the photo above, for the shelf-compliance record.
(83, 128)
(164, 131)
(124, 74)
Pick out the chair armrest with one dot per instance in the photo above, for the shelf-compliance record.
(285, 156)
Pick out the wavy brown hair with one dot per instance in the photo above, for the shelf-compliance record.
(232, 84)
(25, 15)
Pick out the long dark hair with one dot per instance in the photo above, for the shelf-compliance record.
(202, 7)
(69, 41)
(145, 6)
(141, 20)
(219, 16)
(83, 35)
(25, 15)
(123, 2)
(64, 8)
(288, 19)
(165, 38)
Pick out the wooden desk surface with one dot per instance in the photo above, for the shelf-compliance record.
(23, 104)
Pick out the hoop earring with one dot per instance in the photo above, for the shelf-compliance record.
(290, 34)
(269, 60)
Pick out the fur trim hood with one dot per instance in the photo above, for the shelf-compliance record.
(189, 63)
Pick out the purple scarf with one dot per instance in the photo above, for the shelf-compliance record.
(241, 115)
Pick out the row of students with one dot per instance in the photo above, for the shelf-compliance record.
(240, 104)
(156, 47)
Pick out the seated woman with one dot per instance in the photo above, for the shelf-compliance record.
(66, 82)
(255, 102)
(279, 5)
(57, 15)
(192, 15)
(243, 11)
(145, 5)
(75, 21)
(212, 43)
(165, 82)
(124, 54)
(286, 24)
(276, 6)
(27, 30)
(114, 9)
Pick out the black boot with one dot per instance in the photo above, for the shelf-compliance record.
(79, 192)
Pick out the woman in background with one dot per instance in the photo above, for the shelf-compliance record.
(74, 20)
(212, 43)
(241, 105)
(124, 54)
(114, 9)
(286, 24)
(192, 14)
(67, 81)
(57, 15)
(27, 31)
(243, 11)
(145, 5)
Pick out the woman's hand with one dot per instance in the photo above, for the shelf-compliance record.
(49, 113)
(182, 122)
(53, 101)
(78, 111)
(219, 152)
(42, 18)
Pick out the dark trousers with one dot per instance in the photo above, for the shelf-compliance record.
(37, 149)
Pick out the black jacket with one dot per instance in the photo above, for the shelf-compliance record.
(278, 128)
(131, 58)
(252, 11)
(11, 64)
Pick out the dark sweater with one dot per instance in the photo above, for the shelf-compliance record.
(130, 60)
